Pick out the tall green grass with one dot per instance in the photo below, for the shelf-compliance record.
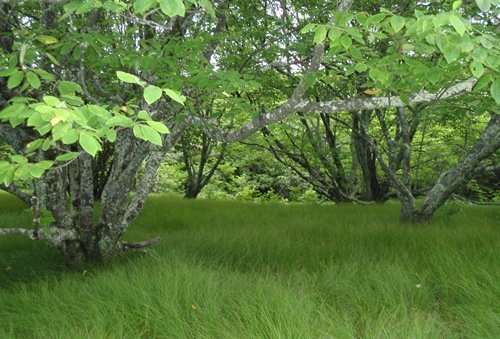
(244, 270)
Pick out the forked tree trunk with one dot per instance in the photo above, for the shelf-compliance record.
(448, 182)
(78, 232)
(458, 176)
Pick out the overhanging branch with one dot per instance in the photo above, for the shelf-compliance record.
(386, 102)
(294, 104)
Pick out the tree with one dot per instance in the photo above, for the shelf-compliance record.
(77, 74)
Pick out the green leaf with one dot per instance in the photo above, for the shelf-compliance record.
(9, 175)
(46, 39)
(375, 19)
(36, 170)
(483, 82)
(151, 135)
(45, 164)
(99, 112)
(495, 91)
(60, 130)
(18, 159)
(342, 17)
(127, 77)
(405, 98)
(52, 101)
(376, 74)
(84, 8)
(119, 120)
(47, 217)
(476, 68)
(70, 138)
(310, 79)
(172, 7)
(334, 34)
(346, 42)
(397, 23)
(15, 80)
(52, 59)
(33, 80)
(152, 94)
(44, 74)
(458, 24)
(456, 4)
(174, 95)
(69, 88)
(35, 120)
(7, 72)
(67, 156)
(360, 67)
(141, 6)
(207, 6)
(44, 129)
(486, 43)
(307, 28)
(484, 5)
(143, 115)
(158, 126)
(89, 143)
(138, 132)
(320, 34)
(111, 135)
(34, 145)
(22, 53)
(356, 53)
(72, 100)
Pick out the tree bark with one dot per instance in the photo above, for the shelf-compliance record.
(463, 172)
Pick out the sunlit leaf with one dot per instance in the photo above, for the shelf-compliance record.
(127, 77)
(89, 143)
(174, 95)
(152, 94)
(172, 7)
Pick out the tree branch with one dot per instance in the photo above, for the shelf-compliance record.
(294, 104)
(140, 245)
(55, 236)
(386, 102)
(17, 230)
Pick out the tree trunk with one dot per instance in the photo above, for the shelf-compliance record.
(374, 189)
(463, 172)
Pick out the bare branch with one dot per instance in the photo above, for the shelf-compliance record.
(295, 105)
(140, 245)
(386, 102)
(55, 236)
(17, 230)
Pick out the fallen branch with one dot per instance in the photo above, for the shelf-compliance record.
(18, 230)
(53, 236)
(475, 202)
(140, 245)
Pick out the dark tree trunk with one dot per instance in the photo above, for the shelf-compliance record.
(374, 189)
(101, 168)
(199, 170)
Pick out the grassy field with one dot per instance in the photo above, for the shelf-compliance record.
(243, 270)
